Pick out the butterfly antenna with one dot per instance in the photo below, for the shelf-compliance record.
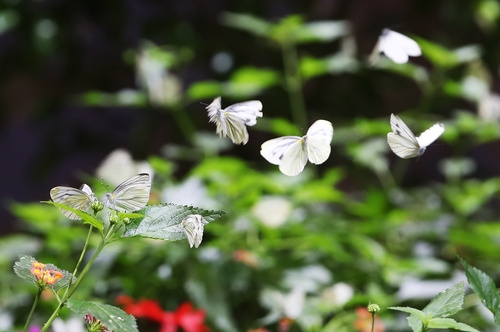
(203, 103)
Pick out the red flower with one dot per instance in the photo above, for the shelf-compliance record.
(185, 317)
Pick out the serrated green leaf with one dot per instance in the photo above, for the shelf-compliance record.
(447, 302)
(448, 323)
(484, 287)
(419, 314)
(86, 218)
(113, 318)
(22, 268)
(164, 221)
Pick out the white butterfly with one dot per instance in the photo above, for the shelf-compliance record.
(130, 195)
(80, 199)
(193, 225)
(403, 142)
(396, 46)
(232, 120)
(292, 152)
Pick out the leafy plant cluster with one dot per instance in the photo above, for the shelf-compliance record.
(291, 240)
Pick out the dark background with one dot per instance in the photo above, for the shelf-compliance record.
(48, 136)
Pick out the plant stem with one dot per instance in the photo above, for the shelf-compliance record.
(68, 294)
(79, 260)
(373, 321)
(35, 302)
(294, 83)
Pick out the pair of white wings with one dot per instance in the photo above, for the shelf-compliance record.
(131, 195)
(193, 226)
(396, 46)
(403, 142)
(292, 152)
(232, 120)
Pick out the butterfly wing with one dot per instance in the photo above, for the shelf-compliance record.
(294, 158)
(398, 47)
(233, 120)
(131, 195)
(80, 199)
(430, 135)
(402, 147)
(318, 139)
(274, 149)
(193, 226)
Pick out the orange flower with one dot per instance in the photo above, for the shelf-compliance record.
(364, 321)
(44, 275)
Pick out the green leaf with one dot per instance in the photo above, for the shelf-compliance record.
(22, 268)
(164, 221)
(484, 287)
(448, 323)
(87, 218)
(204, 89)
(417, 313)
(113, 318)
(248, 23)
(447, 303)
(437, 54)
(322, 31)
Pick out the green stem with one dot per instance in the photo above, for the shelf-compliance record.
(85, 270)
(75, 271)
(373, 321)
(183, 121)
(35, 302)
(294, 84)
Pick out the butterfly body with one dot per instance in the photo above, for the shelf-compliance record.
(130, 195)
(193, 226)
(292, 152)
(396, 46)
(233, 120)
(405, 144)
(80, 199)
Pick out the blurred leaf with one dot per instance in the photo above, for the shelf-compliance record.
(437, 54)
(113, 318)
(322, 190)
(161, 165)
(8, 19)
(204, 89)
(322, 31)
(248, 23)
(12, 245)
(417, 73)
(283, 127)
(23, 267)
(485, 288)
(86, 218)
(251, 75)
(472, 195)
(164, 221)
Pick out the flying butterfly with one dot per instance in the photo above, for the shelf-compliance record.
(130, 195)
(80, 199)
(232, 120)
(193, 225)
(395, 46)
(403, 142)
(292, 152)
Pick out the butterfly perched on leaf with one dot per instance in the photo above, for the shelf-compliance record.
(405, 144)
(130, 195)
(395, 46)
(292, 152)
(80, 199)
(193, 226)
(233, 120)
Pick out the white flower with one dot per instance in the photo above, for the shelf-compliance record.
(119, 165)
(489, 107)
(273, 211)
(71, 325)
(338, 294)
(396, 46)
